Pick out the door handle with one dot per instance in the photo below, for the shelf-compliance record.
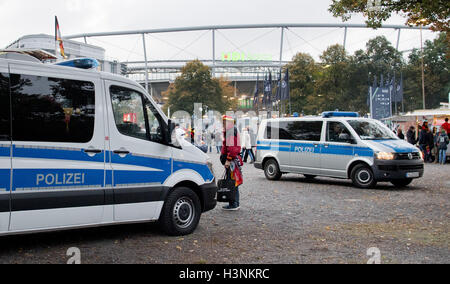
(326, 145)
(92, 151)
(121, 152)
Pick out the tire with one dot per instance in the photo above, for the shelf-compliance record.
(310, 176)
(181, 212)
(272, 170)
(401, 182)
(363, 177)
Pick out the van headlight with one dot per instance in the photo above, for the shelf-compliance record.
(210, 167)
(421, 155)
(385, 156)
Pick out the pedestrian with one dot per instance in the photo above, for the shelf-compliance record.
(423, 144)
(209, 141)
(411, 135)
(446, 126)
(434, 149)
(442, 142)
(218, 141)
(400, 134)
(247, 146)
(231, 159)
(430, 144)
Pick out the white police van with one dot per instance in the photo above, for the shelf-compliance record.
(83, 148)
(339, 145)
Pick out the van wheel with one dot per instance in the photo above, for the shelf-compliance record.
(272, 170)
(362, 176)
(181, 212)
(401, 182)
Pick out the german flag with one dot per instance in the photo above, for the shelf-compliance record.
(58, 38)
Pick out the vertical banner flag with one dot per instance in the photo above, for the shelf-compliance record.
(269, 90)
(58, 38)
(399, 91)
(278, 92)
(255, 96)
(264, 98)
(285, 92)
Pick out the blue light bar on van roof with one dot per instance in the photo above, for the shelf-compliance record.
(339, 114)
(82, 63)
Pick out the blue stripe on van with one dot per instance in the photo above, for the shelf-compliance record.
(57, 154)
(330, 150)
(5, 151)
(5, 179)
(27, 179)
(202, 169)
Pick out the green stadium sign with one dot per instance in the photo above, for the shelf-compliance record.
(242, 56)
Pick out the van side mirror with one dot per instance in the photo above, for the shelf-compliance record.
(168, 132)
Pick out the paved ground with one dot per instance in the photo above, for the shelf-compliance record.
(289, 221)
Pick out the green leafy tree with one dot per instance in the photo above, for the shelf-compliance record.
(303, 73)
(196, 85)
(436, 71)
(333, 82)
(417, 12)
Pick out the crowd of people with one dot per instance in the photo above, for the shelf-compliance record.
(432, 143)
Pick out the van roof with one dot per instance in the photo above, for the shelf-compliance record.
(72, 71)
(315, 118)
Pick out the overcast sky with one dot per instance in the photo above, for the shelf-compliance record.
(20, 17)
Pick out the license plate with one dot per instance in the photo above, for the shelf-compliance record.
(412, 175)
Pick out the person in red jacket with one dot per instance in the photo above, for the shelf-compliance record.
(446, 126)
(231, 159)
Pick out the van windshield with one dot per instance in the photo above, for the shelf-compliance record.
(370, 130)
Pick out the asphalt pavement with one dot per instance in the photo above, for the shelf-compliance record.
(293, 220)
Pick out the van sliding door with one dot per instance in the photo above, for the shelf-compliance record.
(58, 159)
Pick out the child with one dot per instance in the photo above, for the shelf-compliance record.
(442, 143)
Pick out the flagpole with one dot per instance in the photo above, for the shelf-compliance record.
(56, 38)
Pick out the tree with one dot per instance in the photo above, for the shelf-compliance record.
(195, 85)
(417, 12)
(436, 71)
(303, 73)
(333, 81)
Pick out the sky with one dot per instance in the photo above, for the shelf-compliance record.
(24, 17)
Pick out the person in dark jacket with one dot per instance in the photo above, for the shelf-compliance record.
(424, 143)
(231, 159)
(411, 135)
(400, 134)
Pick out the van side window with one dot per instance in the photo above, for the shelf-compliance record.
(128, 109)
(5, 108)
(306, 130)
(52, 110)
(135, 116)
(337, 132)
(295, 130)
(154, 122)
(278, 131)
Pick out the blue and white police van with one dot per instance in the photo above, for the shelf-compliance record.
(82, 148)
(340, 145)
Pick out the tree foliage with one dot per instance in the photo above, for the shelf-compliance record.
(196, 85)
(341, 80)
(417, 12)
